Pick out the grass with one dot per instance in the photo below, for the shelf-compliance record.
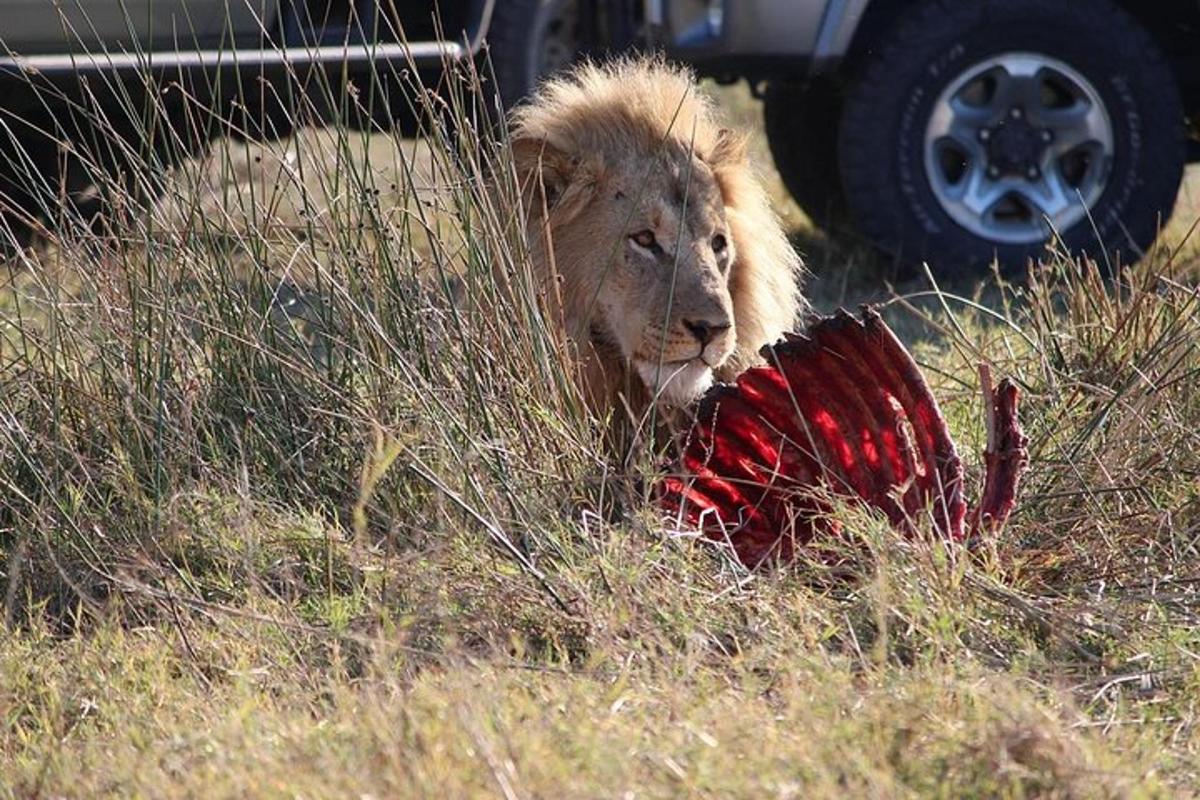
(297, 499)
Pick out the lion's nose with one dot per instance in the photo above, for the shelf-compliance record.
(704, 330)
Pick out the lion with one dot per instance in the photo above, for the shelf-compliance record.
(672, 269)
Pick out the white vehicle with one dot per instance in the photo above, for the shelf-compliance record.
(949, 131)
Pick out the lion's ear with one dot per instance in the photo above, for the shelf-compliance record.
(728, 161)
(729, 150)
(543, 169)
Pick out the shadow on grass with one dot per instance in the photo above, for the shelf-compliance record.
(845, 271)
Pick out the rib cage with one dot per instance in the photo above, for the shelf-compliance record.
(842, 410)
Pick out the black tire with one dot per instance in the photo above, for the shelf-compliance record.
(883, 126)
(111, 158)
(517, 44)
(801, 123)
(43, 183)
(29, 167)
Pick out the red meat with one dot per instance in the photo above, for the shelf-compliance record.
(841, 411)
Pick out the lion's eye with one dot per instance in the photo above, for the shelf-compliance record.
(645, 239)
(719, 244)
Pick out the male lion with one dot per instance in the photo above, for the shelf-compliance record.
(672, 267)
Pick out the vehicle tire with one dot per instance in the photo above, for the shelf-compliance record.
(109, 162)
(529, 39)
(42, 182)
(28, 168)
(977, 122)
(801, 123)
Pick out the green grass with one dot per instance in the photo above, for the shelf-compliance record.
(297, 499)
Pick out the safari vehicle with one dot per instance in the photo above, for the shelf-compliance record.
(950, 131)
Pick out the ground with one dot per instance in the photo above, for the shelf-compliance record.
(278, 518)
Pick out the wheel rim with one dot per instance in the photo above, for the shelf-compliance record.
(1018, 146)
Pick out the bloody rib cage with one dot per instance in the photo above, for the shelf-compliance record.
(841, 411)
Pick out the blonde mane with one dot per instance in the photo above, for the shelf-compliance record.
(578, 127)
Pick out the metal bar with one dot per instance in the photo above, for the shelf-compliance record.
(419, 52)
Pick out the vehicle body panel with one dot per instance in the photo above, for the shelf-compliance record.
(735, 27)
(128, 36)
(715, 31)
(46, 26)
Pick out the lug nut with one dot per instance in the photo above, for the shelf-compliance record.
(993, 171)
(984, 134)
(1016, 112)
(1033, 173)
(1047, 136)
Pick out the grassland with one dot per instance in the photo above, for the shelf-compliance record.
(297, 500)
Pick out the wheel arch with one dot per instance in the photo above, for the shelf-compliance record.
(1174, 24)
(862, 26)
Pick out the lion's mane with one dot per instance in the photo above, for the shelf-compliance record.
(577, 125)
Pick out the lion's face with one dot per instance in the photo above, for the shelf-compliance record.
(663, 279)
(656, 243)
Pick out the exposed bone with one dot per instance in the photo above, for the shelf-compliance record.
(840, 411)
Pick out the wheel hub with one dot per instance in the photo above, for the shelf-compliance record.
(1018, 146)
(1013, 146)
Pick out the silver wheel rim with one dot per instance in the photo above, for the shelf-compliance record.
(1018, 146)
